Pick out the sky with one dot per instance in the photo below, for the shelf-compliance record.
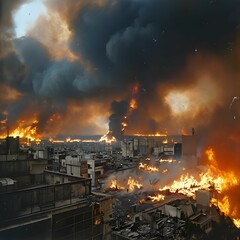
(82, 60)
(26, 15)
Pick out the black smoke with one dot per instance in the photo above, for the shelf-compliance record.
(128, 41)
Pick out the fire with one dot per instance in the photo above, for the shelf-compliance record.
(212, 178)
(133, 104)
(165, 141)
(167, 160)
(133, 184)
(69, 140)
(131, 107)
(165, 170)
(236, 221)
(114, 185)
(144, 166)
(157, 198)
(150, 135)
(28, 131)
(108, 138)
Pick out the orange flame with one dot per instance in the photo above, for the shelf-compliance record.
(150, 135)
(167, 160)
(157, 198)
(212, 178)
(145, 167)
(115, 185)
(28, 131)
(133, 184)
(165, 141)
(108, 138)
(165, 170)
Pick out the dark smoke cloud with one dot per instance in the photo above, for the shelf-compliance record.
(125, 42)
(119, 110)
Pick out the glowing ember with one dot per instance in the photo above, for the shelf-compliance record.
(133, 184)
(144, 166)
(157, 198)
(165, 141)
(165, 170)
(133, 103)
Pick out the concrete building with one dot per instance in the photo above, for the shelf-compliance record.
(95, 170)
(127, 147)
(85, 165)
(76, 166)
(58, 207)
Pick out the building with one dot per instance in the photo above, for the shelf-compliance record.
(95, 170)
(57, 207)
(76, 166)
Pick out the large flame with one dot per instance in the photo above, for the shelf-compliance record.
(23, 130)
(212, 178)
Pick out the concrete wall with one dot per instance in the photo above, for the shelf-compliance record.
(172, 211)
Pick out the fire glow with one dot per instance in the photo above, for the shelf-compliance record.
(167, 160)
(133, 184)
(27, 131)
(115, 185)
(213, 179)
(150, 135)
(108, 138)
(145, 167)
(157, 198)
